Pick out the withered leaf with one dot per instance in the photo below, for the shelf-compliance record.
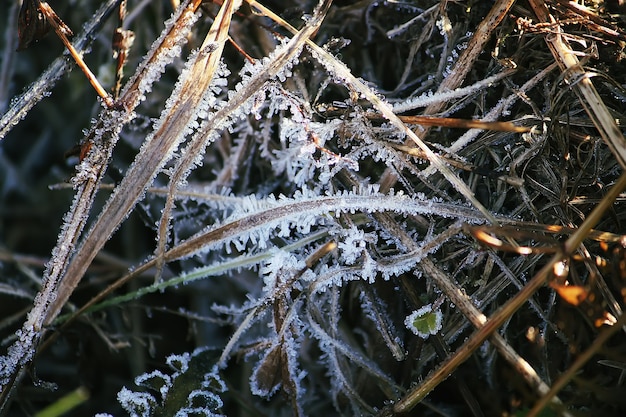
(268, 375)
(32, 24)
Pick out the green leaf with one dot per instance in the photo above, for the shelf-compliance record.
(424, 322)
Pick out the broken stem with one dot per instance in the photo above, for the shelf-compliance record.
(62, 30)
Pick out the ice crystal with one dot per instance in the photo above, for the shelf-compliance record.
(192, 390)
(159, 57)
(429, 98)
(137, 404)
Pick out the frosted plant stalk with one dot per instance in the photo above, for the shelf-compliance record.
(236, 107)
(343, 73)
(429, 98)
(150, 159)
(105, 134)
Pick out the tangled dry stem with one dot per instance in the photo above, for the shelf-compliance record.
(347, 210)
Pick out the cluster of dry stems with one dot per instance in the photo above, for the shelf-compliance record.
(179, 147)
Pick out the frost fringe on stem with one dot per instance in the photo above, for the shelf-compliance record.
(323, 242)
(104, 135)
(237, 106)
(155, 152)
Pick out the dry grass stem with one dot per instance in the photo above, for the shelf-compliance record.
(580, 80)
(505, 312)
(311, 209)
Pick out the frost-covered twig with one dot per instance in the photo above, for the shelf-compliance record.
(430, 99)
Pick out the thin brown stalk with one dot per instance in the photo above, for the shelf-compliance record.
(581, 360)
(418, 393)
(39, 89)
(140, 174)
(62, 31)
